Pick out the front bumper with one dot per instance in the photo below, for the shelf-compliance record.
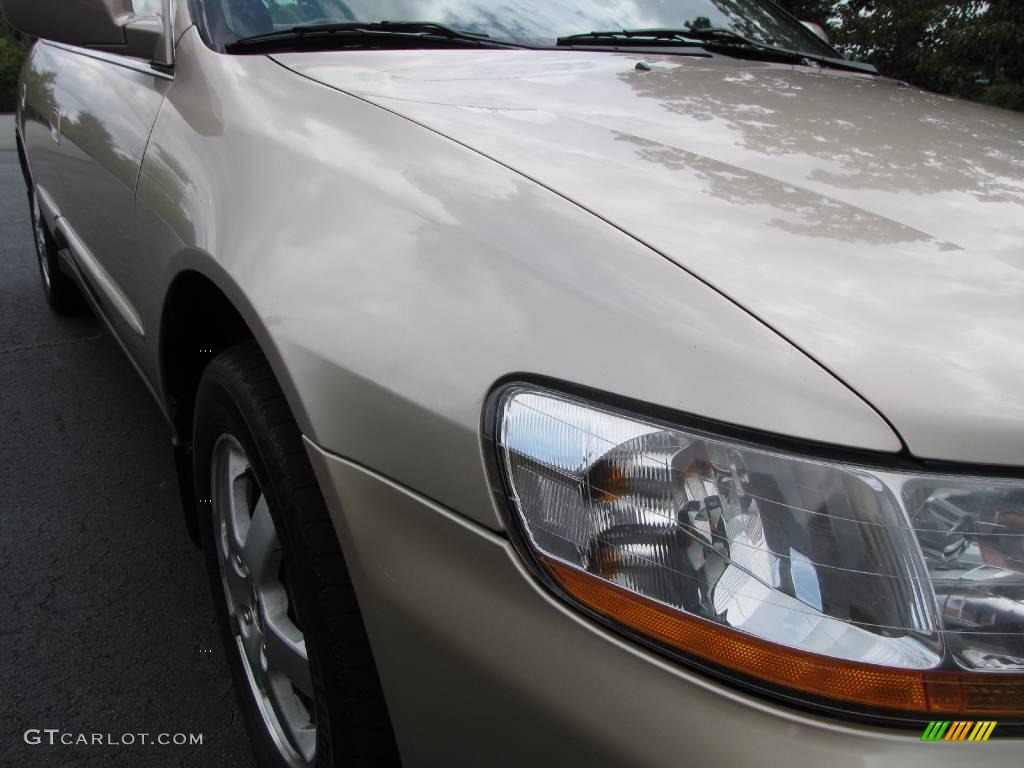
(482, 667)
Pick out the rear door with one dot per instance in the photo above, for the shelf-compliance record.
(108, 106)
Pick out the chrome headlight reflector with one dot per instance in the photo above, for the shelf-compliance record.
(885, 589)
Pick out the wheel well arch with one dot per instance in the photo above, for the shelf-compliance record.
(198, 322)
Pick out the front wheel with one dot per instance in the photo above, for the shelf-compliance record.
(295, 641)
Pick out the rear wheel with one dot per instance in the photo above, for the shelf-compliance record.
(60, 290)
(298, 651)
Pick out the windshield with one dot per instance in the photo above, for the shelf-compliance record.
(529, 22)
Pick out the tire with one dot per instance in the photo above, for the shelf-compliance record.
(61, 292)
(300, 584)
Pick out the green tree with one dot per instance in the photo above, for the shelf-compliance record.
(13, 46)
(968, 48)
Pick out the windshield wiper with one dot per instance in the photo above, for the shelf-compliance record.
(355, 33)
(718, 39)
(689, 34)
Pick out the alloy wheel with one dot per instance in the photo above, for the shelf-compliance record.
(254, 578)
(41, 244)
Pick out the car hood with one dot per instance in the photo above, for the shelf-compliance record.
(877, 227)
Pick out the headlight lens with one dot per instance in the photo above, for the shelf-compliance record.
(883, 589)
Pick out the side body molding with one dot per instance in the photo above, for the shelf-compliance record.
(99, 278)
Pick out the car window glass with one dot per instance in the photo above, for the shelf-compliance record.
(148, 7)
(537, 22)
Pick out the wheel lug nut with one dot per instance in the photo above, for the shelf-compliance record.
(238, 561)
(246, 615)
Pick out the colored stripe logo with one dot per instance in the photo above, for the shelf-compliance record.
(961, 730)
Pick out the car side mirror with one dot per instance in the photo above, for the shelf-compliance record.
(103, 25)
(818, 30)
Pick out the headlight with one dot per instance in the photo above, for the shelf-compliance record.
(823, 581)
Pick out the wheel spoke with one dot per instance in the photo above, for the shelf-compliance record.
(286, 653)
(236, 506)
(261, 546)
(305, 740)
(238, 588)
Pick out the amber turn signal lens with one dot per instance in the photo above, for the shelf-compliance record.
(863, 684)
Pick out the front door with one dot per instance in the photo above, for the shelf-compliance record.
(108, 107)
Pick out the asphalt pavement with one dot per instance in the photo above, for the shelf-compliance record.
(106, 622)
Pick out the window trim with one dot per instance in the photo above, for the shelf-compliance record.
(117, 59)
